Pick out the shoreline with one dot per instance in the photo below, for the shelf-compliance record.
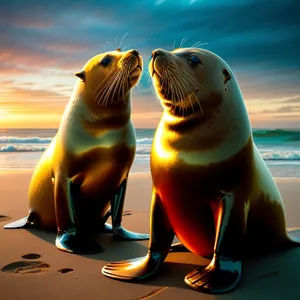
(137, 173)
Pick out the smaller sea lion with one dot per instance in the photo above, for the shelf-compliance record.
(85, 168)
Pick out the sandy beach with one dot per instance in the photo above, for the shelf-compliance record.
(272, 277)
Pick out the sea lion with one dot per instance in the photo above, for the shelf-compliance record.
(211, 187)
(85, 168)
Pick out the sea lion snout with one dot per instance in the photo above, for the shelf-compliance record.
(135, 52)
(157, 52)
(157, 61)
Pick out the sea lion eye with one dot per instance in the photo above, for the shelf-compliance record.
(105, 61)
(194, 60)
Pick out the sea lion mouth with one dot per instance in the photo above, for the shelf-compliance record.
(134, 75)
(177, 90)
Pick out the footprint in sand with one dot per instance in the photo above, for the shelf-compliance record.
(127, 213)
(65, 271)
(31, 267)
(26, 267)
(31, 256)
(4, 218)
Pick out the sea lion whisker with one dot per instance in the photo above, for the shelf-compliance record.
(109, 85)
(101, 83)
(188, 93)
(138, 86)
(120, 44)
(197, 100)
(112, 89)
(105, 79)
(122, 79)
(122, 83)
(180, 96)
(173, 96)
(116, 42)
(126, 46)
(179, 93)
(148, 77)
(103, 90)
(110, 44)
(195, 44)
(149, 80)
(118, 88)
(183, 89)
(198, 44)
(183, 42)
(192, 79)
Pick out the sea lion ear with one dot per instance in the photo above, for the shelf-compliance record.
(81, 75)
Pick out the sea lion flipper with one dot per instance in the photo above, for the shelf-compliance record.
(294, 236)
(22, 223)
(75, 241)
(117, 204)
(161, 237)
(69, 237)
(106, 227)
(224, 272)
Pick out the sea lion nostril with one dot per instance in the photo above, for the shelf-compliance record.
(135, 52)
(154, 54)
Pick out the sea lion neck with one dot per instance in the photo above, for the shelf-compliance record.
(208, 124)
(182, 123)
(96, 118)
(115, 107)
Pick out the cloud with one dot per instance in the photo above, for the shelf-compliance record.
(19, 100)
(46, 41)
(282, 109)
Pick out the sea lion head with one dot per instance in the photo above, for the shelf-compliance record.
(190, 80)
(107, 78)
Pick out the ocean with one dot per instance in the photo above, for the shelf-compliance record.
(22, 149)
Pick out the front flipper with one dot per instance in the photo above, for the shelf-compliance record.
(135, 269)
(117, 205)
(224, 272)
(161, 237)
(22, 223)
(220, 276)
(75, 242)
(69, 237)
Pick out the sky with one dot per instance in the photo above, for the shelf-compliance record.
(43, 43)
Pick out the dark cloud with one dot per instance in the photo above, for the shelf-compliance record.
(259, 39)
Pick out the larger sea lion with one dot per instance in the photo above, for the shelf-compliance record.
(211, 187)
(85, 168)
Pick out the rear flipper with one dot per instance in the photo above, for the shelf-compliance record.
(141, 268)
(22, 223)
(117, 205)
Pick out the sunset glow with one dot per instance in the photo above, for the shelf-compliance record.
(44, 45)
